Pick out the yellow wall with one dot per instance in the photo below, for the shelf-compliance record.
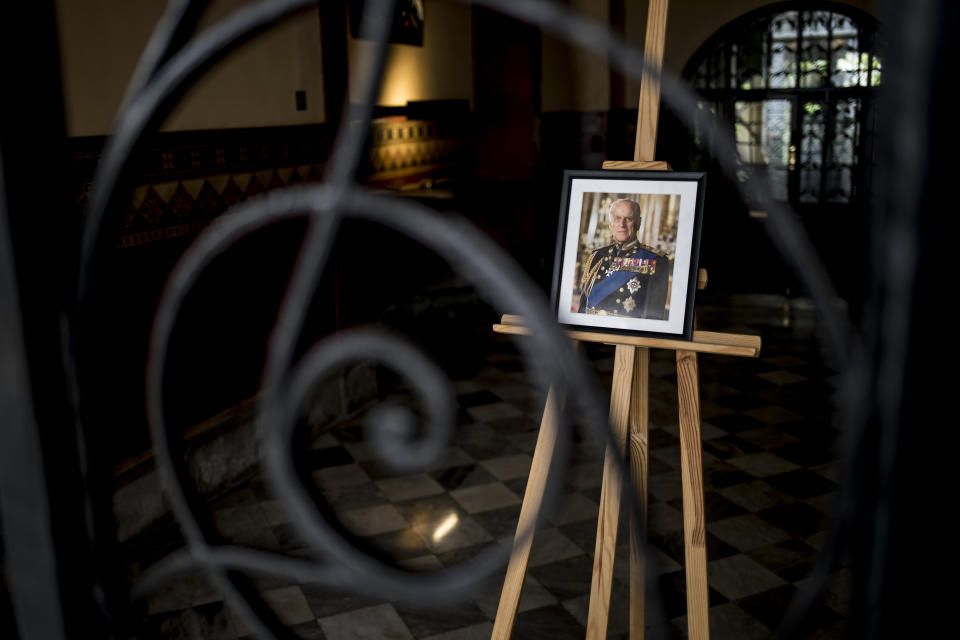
(254, 87)
(101, 41)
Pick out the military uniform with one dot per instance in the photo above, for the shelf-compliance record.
(628, 279)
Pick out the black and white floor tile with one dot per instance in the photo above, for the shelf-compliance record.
(770, 471)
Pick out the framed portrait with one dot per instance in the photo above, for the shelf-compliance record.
(627, 251)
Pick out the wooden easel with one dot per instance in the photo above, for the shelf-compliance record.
(629, 409)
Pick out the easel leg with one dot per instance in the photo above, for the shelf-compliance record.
(610, 496)
(639, 434)
(694, 520)
(530, 509)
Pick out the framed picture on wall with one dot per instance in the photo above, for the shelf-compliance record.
(627, 251)
(407, 23)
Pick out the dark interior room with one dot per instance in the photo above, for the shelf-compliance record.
(283, 337)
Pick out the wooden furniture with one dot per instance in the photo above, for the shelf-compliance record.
(629, 422)
(629, 408)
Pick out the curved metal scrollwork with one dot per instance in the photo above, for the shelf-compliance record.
(286, 383)
(162, 77)
(501, 282)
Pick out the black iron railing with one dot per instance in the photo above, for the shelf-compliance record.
(56, 515)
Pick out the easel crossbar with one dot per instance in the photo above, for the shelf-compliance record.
(729, 344)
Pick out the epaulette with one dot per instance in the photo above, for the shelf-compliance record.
(647, 247)
(596, 254)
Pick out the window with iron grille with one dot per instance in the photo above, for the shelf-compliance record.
(798, 83)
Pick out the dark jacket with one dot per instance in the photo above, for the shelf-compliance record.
(629, 279)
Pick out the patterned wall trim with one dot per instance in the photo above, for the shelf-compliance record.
(191, 154)
(181, 208)
(190, 178)
(410, 152)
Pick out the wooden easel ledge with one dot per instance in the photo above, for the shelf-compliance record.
(730, 344)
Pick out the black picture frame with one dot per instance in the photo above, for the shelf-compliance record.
(406, 26)
(610, 278)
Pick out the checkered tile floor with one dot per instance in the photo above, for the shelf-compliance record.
(770, 475)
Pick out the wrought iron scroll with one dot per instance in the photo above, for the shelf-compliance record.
(163, 76)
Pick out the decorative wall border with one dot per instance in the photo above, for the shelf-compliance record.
(188, 178)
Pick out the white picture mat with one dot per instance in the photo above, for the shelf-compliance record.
(687, 190)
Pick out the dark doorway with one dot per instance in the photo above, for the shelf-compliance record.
(506, 76)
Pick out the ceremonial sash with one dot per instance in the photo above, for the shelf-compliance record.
(607, 286)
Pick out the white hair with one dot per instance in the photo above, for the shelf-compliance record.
(633, 207)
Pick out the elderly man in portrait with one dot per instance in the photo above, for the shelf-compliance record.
(625, 278)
